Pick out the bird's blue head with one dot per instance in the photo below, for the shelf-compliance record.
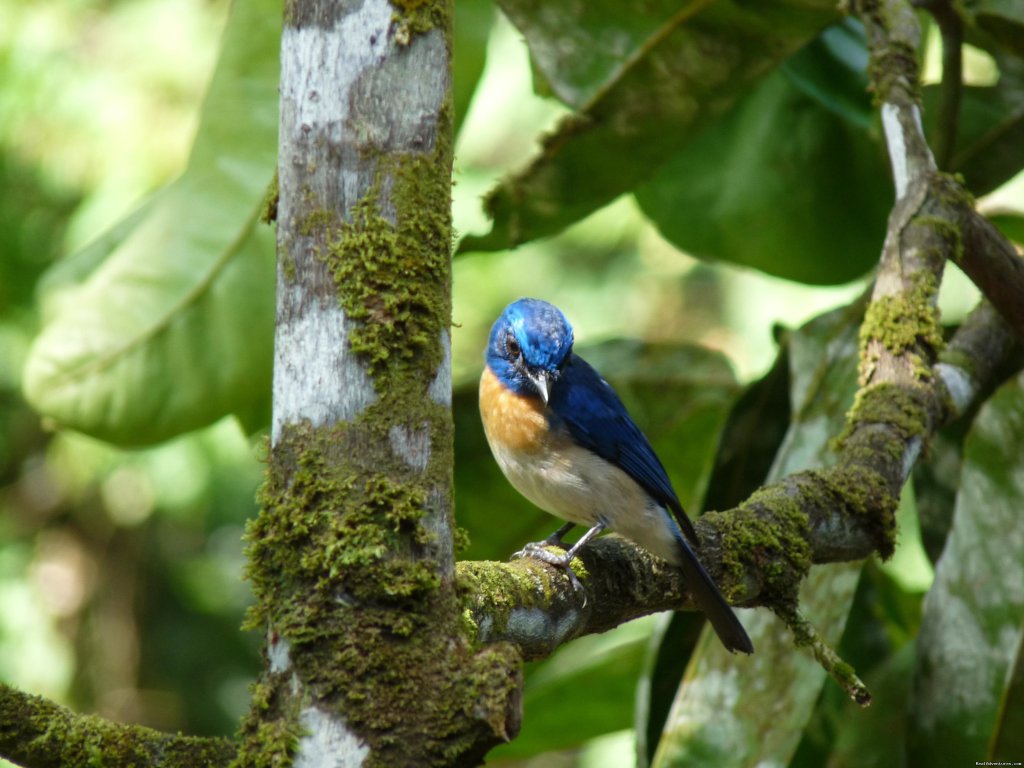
(529, 344)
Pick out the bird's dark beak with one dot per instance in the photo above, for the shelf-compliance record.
(542, 380)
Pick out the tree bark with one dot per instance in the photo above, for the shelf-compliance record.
(369, 661)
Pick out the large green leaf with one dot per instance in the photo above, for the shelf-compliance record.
(832, 69)
(756, 425)
(173, 328)
(645, 79)
(989, 148)
(584, 690)
(878, 642)
(971, 623)
(733, 711)
(782, 184)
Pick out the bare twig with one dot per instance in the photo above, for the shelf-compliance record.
(951, 28)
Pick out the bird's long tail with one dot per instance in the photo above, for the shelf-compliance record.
(705, 592)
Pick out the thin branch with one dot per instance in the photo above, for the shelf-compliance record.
(951, 28)
(994, 265)
(36, 733)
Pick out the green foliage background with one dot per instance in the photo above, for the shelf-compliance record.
(692, 245)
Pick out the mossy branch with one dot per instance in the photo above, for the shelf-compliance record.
(37, 733)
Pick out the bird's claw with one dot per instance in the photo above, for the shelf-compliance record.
(536, 550)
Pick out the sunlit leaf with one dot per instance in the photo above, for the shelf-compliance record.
(173, 328)
(645, 80)
(971, 623)
(733, 711)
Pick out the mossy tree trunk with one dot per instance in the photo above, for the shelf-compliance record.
(368, 659)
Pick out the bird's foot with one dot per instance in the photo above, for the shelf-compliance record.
(537, 550)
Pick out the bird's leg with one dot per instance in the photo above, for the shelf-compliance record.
(537, 552)
(555, 539)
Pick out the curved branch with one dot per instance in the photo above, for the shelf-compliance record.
(994, 265)
(951, 27)
(37, 733)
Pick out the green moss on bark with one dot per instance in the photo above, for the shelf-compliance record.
(903, 325)
(767, 535)
(394, 278)
(36, 731)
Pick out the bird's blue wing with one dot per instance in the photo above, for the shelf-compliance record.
(596, 418)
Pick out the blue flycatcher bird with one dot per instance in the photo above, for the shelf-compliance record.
(564, 439)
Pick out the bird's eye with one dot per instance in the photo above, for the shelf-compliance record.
(514, 350)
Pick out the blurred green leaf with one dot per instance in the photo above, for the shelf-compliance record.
(63, 279)
(971, 623)
(669, 651)
(473, 21)
(742, 192)
(733, 711)
(833, 69)
(990, 143)
(876, 736)
(1011, 225)
(33, 216)
(878, 642)
(936, 482)
(989, 146)
(560, 708)
(1008, 735)
(174, 328)
(1003, 20)
(750, 441)
(645, 80)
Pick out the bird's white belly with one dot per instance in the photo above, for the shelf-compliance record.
(580, 487)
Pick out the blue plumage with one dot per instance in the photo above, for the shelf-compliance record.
(596, 418)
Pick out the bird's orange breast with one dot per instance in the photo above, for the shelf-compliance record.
(512, 421)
